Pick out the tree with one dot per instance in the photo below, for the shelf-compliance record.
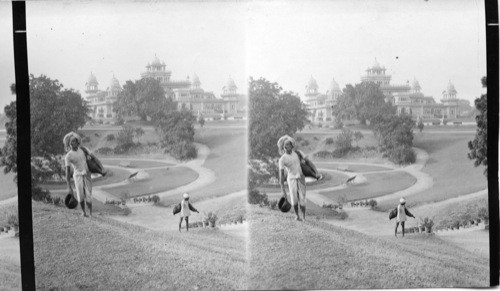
(176, 130)
(393, 131)
(201, 121)
(479, 146)
(126, 135)
(144, 98)
(395, 137)
(54, 112)
(364, 101)
(420, 124)
(273, 113)
(138, 133)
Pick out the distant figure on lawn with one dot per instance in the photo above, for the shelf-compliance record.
(295, 178)
(186, 208)
(401, 216)
(81, 174)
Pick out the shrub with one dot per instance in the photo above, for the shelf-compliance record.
(483, 213)
(428, 223)
(304, 143)
(372, 203)
(329, 140)
(323, 154)
(339, 152)
(12, 219)
(299, 139)
(343, 215)
(57, 200)
(155, 199)
(273, 204)
(39, 194)
(104, 151)
(125, 148)
(211, 218)
(110, 137)
(344, 139)
(402, 155)
(256, 197)
(126, 135)
(315, 138)
(86, 139)
(182, 150)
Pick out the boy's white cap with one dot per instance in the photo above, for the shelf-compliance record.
(402, 200)
(185, 195)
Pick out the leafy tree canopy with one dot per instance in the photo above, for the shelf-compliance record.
(54, 111)
(393, 131)
(479, 146)
(144, 98)
(364, 101)
(272, 114)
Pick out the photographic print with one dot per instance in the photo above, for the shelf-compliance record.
(365, 134)
(249, 145)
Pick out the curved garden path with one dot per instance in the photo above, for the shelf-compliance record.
(370, 222)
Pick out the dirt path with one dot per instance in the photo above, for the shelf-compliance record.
(161, 218)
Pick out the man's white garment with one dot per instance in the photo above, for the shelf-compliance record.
(81, 174)
(295, 178)
(291, 163)
(78, 160)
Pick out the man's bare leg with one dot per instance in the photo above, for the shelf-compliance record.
(303, 208)
(296, 208)
(82, 205)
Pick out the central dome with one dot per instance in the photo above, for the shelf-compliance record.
(114, 84)
(312, 85)
(92, 80)
(334, 86)
(451, 88)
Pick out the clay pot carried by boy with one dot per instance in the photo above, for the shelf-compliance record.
(70, 201)
(284, 205)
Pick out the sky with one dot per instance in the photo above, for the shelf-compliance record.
(287, 42)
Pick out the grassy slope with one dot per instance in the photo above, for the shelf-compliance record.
(454, 174)
(227, 159)
(71, 251)
(9, 188)
(313, 255)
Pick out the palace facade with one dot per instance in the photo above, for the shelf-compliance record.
(407, 99)
(101, 102)
(188, 95)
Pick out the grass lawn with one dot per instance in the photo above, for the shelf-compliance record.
(228, 159)
(9, 188)
(113, 176)
(459, 211)
(286, 254)
(135, 164)
(5, 211)
(351, 167)
(72, 252)
(377, 184)
(159, 180)
(454, 174)
(331, 179)
(313, 211)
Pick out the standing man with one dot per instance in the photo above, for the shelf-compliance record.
(81, 174)
(295, 178)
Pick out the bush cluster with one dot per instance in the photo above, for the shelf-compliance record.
(110, 137)
(329, 141)
(401, 155)
(155, 199)
(256, 197)
(182, 150)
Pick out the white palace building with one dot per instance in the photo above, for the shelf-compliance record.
(188, 95)
(407, 99)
